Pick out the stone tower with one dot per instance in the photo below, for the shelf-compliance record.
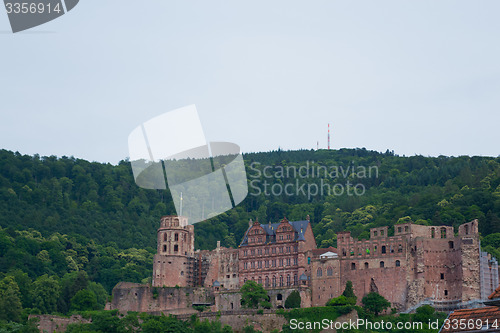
(173, 262)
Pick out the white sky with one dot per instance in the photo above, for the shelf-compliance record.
(416, 77)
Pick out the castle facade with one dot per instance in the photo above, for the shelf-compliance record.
(416, 263)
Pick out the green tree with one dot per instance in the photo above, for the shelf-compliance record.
(10, 301)
(253, 295)
(340, 301)
(349, 293)
(375, 303)
(100, 293)
(84, 300)
(46, 292)
(293, 300)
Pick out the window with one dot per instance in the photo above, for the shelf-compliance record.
(450, 244)
(406, 229)
(442, 276)
(353, 266)
(165, 236)
(245, 253)
(382, 264)
(267, 281)
(308, 260)
(164, 248)
(295, 279)
(381, 232)
(260, 252)
(259, 281)
(366, 265)
(466, 229)
(398, 263)
(446, 292)
(267, 263)
(281, 250)
(245, 265)
(344, 252)
(288, 261)
(176, 237)
(281, 262)
(281, 280)
(274, 250)
(274, 281)
(443, 232)
(176, 248)
(400, 248)
(279, 297)
(252, 252)
(253, 264)
(288, 249)
(375, 233)
(329, 271)
(288, 280)
(267, 251)
(320, 272)
(400, 229)
(383, 249)
(274, 262)
(433, 233)
(260, 264)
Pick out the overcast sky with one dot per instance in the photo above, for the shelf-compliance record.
(416, 77)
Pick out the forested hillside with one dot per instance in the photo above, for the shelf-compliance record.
(69, 225)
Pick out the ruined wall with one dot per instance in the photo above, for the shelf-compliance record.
(224, 268)
(144, 298)
(50, 323)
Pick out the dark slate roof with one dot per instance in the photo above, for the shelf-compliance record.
(303, 277)
(216, 283)
(270, 230)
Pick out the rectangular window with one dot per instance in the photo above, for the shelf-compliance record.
(442, 276)
(274, 262)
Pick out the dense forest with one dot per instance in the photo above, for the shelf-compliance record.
(71, 229)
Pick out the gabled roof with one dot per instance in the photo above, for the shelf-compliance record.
(490, 313)
(329, 255)
(270, 229)
(496, 294)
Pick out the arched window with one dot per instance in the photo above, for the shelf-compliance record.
(274, 281)
(164, 236)
(267, 281)
(443, 232)
(329, 271)
(279, 297)
(382, 264)
(320, 272)
(433, 233)
(398, 263)
(281, 280)
(343, 252)
(353, 266)
(366, 265)
(259, 280)
(288, 280)
(400, 248)
(295, 280)
(176, 237)
(466, 229)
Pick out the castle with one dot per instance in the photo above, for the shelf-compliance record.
(417, 264)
